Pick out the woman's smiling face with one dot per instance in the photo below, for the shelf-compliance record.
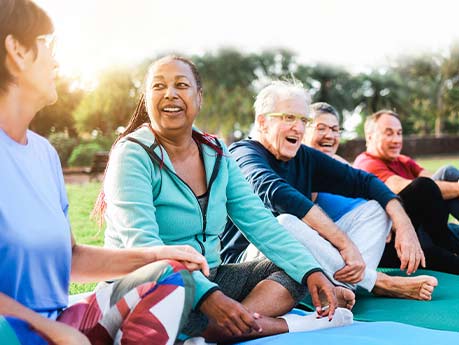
(324, 134)
(173, 98)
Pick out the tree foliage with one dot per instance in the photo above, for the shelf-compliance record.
(423, 89)
(59, 116)
(110, 104)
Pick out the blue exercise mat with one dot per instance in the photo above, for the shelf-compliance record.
(364, 333)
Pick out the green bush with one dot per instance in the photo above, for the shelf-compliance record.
(64, 145)
(83, 154)
(106, 141)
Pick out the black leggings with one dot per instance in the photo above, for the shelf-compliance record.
(428, 212)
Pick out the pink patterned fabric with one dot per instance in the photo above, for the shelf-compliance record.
(152, 312)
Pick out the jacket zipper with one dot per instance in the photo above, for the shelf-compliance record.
(211, 181)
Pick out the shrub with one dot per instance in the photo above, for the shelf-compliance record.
(83, 154)
(64, 145)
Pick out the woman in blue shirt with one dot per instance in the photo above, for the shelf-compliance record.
(38, 253)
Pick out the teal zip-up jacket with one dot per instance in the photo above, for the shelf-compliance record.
(149, 205)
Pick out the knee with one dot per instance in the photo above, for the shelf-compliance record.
(287, 287)
(425, 187)
(374, 210)
(449, 173)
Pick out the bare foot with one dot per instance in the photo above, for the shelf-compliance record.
(418, 288)
(345, 297)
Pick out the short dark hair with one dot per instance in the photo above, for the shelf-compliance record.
(319, 108)
(24, 20)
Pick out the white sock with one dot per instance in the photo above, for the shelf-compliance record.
(300, 323)
(197, 341)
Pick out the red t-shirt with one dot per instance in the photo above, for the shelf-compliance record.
(402, 166)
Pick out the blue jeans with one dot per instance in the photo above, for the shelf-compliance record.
(451, 174)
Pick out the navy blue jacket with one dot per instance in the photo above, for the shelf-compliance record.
(286, 187)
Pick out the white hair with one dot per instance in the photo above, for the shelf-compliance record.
(267, 98)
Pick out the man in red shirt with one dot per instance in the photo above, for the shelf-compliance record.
(424, 198)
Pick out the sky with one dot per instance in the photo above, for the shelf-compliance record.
(358, 34)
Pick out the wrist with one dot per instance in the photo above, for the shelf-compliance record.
(208, 301)
(149, 255)
(341, 241)
(313, 276)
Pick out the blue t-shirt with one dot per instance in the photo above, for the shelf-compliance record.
(35, 244)
(336, 206)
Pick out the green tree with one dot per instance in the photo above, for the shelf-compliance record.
(59, 116)
(110, 104)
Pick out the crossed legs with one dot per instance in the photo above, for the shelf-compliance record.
(367, 226)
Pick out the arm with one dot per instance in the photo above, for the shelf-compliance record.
(340, 159)
(354, 269)
(278, 193)
(397, 183)
(129, 187)
(93, 264)
(260, 227)
(406, 241)
(449, 189)
(59, 333)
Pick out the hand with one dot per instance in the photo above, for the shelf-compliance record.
(320, 287)
(409, 249)
(406, 241)
(389, 236)
(187, 255)
(354, 269)
(232, 317)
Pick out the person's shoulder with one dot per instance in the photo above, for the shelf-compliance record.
(405, 159)
(365, 158)
(38, 141)
(141, 138)
(245, 145)
(142, 134)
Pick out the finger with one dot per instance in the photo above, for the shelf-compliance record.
(233, 329)
(316, 300)
(349, 276)
(403, 259)
(389, 237)
(346, 270)
(244, 321)
(411, 263)
(191, 255)
(187, 254)
(205, 268)
(251, 321)
(423, 260)
(190, 266)
(332, 303)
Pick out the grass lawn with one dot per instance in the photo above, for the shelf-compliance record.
(86, 231)
(81, 200)
(433, 163)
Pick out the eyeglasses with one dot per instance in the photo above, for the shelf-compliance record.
(50, 42)
(291, 118)
(322, 128)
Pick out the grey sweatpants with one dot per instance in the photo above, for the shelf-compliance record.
(366, 225)
(238, 280)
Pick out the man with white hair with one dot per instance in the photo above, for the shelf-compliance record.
(284, 173)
